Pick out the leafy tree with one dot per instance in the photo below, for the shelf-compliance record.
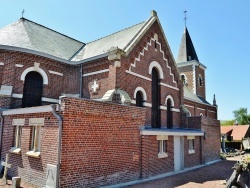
(241, 116)
(227, 122)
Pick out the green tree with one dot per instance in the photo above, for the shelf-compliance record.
(227, 122)
(241, 116)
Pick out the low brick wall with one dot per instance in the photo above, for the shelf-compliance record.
(100, 143)
(211, 144)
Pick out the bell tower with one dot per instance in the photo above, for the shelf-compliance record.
(192, 72)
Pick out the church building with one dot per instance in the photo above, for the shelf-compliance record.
(115, 110)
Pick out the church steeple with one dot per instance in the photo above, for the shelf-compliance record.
(186, 51)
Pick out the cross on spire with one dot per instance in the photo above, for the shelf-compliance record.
(185, 18)
(23, 13)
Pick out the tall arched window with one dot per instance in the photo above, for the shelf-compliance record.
(33, 90)
(139, 99)
(156, 113)
(169, 114)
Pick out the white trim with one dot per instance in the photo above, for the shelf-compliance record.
(19, 65)
(138, 75)
(191, 151)
(171, 133)
(201, 109)
(169, 86)
(212, 111)
(30, 110)
(1, 63)
(37, 69)
(144, 104)
(172, 109)
(162, 155)
(149, 79)
(96, 72)
(171, 98)
(158, 67)
(175, 109)
(15, 95)
(147, 104)
(146, 49)
(193, 62)
(56, 73)
(188, 106)
(143, 93)
(50, 100)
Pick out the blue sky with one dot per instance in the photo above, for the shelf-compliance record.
(220, 30)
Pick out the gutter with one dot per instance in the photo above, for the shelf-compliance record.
(1, 131)
(53, 106)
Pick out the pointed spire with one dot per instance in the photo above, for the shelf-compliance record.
(214, 101)
(186, 51)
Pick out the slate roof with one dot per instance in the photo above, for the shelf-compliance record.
(189, 95)
(237, 131)
(120, 39)
(29, 35)
(186, 51)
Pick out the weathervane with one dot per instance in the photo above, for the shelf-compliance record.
(185, 18)
(22, 13)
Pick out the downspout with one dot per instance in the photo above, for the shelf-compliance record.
(1, 131)
(53, 106)
(81, 80)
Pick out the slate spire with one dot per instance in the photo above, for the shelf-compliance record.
(186, 51)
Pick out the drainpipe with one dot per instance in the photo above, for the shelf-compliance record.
(1, 131)
(53, 106)
(81, 80)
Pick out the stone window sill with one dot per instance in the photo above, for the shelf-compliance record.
(162, 155)
(191, 151)
(33, 154)
(15, 150)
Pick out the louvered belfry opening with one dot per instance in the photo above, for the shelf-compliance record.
(169, 115)
(156, 113)
(33, 90)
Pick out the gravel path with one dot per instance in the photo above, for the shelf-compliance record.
(210, 176)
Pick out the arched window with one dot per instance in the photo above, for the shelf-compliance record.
(139, 99)
(33, 90)
(169, 114)
(155, 115)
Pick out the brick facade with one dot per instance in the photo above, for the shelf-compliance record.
(102, 142)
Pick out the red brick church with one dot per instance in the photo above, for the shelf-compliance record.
(118, 109)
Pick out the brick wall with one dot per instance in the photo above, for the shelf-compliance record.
(200, 90)
(129, 82)
(193, 159)
(100, 143)
(22, 165)
(151, 164)
(11, 75)
(211, 145)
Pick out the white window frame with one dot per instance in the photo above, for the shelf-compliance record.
(36, 135)
(162, 146)
(191, 140)
(18, 123)
(36, 124)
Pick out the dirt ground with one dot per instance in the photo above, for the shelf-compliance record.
(210, 176)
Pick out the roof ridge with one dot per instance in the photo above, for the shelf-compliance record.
(115, 33)
(25, 19)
